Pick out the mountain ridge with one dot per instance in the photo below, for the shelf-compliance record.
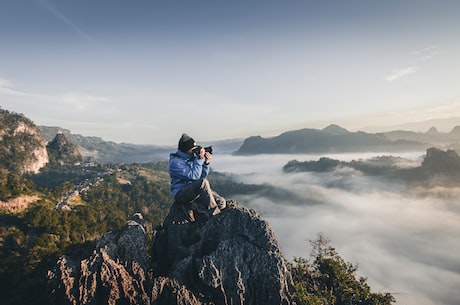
(332, 139)
(97, 149)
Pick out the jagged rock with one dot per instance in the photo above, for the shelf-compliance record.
(233, 258)
(114, 273)
(166, 291)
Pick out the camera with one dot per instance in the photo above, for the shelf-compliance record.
(206, 149)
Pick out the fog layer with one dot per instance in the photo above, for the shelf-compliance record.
(405, 241)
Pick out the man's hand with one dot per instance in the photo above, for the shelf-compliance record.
(207, 157)
(201, 154)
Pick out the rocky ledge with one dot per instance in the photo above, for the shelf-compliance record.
(233, 258)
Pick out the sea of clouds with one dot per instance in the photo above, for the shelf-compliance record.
(404, 240)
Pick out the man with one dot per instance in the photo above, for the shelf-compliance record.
(188, 169)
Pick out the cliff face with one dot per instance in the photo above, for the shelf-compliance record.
(231, 259)
(114, 271)
(22, 147)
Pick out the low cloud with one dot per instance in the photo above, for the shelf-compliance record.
(405, 241)
(7, 87)
(81, 102)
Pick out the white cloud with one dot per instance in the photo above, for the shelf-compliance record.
(81, 102)
(7, 87)
(422, 55)
(427, 53)
(77, 100)
(401, 73)
(5, 83)
(403, 240)
(69, 109)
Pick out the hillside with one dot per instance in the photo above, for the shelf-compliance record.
(96, 149)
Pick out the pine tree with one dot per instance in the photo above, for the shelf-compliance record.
(330, 280)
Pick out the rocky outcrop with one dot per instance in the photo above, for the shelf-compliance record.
(115, 272)
(61, 151)
(233, 258)
(438, 161)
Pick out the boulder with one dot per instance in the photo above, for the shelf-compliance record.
(115, 272)
(233, 258)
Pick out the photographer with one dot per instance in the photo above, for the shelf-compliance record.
(188, 169)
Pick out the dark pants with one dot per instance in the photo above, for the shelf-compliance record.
(199, 198)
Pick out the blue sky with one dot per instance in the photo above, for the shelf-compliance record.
(146, 71)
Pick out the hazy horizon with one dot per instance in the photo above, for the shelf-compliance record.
(442, 125)
(146, 72)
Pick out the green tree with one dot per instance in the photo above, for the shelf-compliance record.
(330, 280)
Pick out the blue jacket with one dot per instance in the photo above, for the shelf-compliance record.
(184, 169)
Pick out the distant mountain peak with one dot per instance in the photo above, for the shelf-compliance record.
(455, 130)
(335, 129)
(432, 130)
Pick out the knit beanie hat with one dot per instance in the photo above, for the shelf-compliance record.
(186, 142)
